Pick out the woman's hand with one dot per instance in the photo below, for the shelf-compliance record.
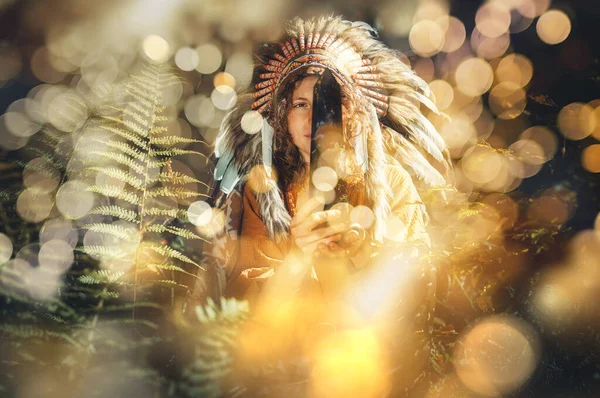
(311, 227)
(324, 233)
(348, 245)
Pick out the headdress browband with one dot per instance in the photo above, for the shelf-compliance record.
(326, 51)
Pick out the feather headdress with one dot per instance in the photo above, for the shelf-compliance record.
(391, 91)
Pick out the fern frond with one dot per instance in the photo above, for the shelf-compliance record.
(141, 130)
(120, 175)
(170, 140)
(127, 149)
(129, 136)
(182, 232)
(123, 159)
(170, 267)
(115, 230)
(103, 252)
(115, 192)
(175, 213)
(174, 152)
(168, 251)
(176, 177)
(179, 193)
(116, 211)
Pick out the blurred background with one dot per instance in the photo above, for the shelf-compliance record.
(519, 81)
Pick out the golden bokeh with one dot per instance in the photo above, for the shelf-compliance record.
(533, 8)
(61, 229)
(34, 205)
(458, 133)
(324, 178)
(497, 356)
(426, 38)
(596, 132)
(210, 58)
(199, 110)
(507, 100)
(224, 79)
(215, 226)
(187, 59)
(56, 256)
(67, 111)
(199, 213)
(590, 158)
(577, 121)
(489, 47)
(553, 27)
(261, 179)
(252, 122)
(363, 216)
(455, 33)
(74, 200)
(492, 19)
(240, 66)
(443, 92)
(6, 248)
(431, 10)
(544, 137)
(156, 48)
(474, 76)
(40, 174)
(223, 97)
(481, 164)
(515, 68)
(18, 125)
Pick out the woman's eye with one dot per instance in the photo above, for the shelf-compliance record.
(301, 105)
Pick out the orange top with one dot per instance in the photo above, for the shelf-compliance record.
(259, 256)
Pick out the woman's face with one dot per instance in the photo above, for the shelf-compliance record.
(299, 118)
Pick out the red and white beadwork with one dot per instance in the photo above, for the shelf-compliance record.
(326, 50)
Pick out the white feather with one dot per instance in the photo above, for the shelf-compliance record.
(267, 146)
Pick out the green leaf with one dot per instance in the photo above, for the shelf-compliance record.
(120, 175)
(116, 211)
(168, 251)
(115, 192)
(179, 193)
(182, 232)
(115, 230)
(121, 158)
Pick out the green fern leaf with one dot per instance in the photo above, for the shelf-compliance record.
(103, 252)
(175, 213)
(129, 136)
(123, 159)
(176, 177)
(174, 152)
(120, 175)
(171, 267)
(115, 192)
(117, 231)
(182, 232)
(116, 211)
(171, 140)
(179, 193)
(168, 251)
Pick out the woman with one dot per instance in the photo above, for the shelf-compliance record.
(279, 243)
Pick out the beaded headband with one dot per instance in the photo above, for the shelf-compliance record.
(326, 51)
